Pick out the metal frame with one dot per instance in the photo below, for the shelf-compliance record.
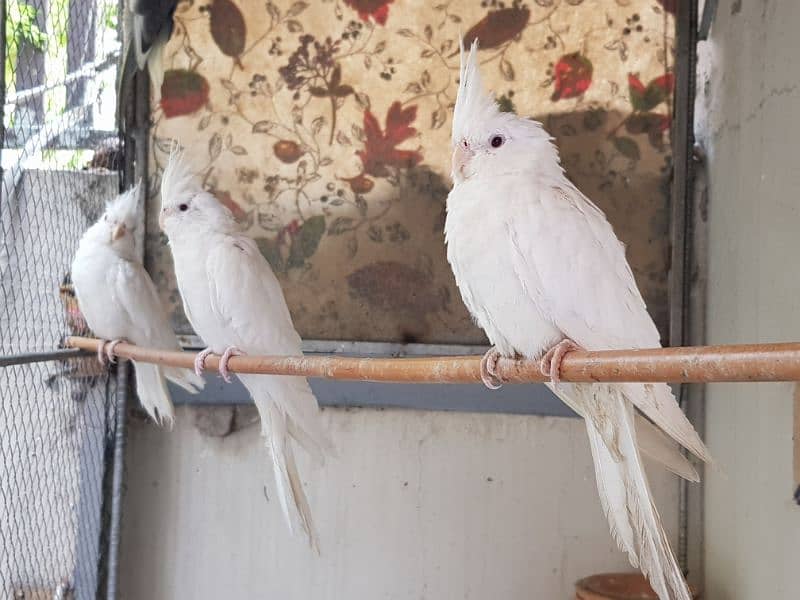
(682, 228)
(118, 468)
(26, 358)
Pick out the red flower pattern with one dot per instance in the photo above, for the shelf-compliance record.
(647, 97)
(380, 147)
(378, 10)
(572, 75)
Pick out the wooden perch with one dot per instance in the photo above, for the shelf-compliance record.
(747, 362)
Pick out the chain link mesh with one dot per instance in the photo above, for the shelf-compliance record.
(60, 162)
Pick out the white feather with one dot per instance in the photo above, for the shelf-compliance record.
(118, 300)
(233, 298)
(556, 270)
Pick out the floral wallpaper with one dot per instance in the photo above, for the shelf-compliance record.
(325, 127)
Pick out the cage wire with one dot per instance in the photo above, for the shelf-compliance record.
(60, 161)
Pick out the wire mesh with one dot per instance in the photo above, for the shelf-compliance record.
(57, 418)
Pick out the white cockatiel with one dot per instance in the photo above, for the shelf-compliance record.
(120, 302)
(236, 304)
(553, 277)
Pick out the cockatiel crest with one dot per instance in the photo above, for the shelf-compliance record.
(485, 139)
(184, 202)
(122, 209)
(118, 223)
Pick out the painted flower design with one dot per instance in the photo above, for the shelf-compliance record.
(498, 27)
(317, 71)
(377, 10)
(380, 146)
(572, 75)
(647, 97)
(183, 92)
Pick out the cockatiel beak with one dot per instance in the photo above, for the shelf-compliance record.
(118, 232)
(462, 156)
(161, 217)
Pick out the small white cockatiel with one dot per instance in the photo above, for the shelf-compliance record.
(552, 278)
(120, 302)
(236, 304)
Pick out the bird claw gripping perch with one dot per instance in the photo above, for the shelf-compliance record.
(101, 354)
(550, 365)
(223, 361)
(200, 360)
(110, 350)
(491, 379)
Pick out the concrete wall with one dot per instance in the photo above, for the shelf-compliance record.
(418, 505)
(750, 122)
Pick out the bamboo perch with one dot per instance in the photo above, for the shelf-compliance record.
(746, 362)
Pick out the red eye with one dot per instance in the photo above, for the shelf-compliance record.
(497, 141)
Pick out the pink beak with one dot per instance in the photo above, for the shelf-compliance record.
(117, 232)
(162, 217)
(461, 158)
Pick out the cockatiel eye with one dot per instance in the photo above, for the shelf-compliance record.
(183, 207)
(497, 141)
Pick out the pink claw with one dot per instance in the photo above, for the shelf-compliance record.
(550, 365)
(200, 360)
(223, 361)
(101, 355)
(489, 374)
(110, 349)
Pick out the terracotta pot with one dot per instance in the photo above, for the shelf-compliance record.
(618, 586)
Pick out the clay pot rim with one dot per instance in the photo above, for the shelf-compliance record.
(589, 584)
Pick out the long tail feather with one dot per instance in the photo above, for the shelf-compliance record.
(624, 491)
(188, 380)
(152, 389)
(288, 484)
(658, 447)
(304, 424)
(657, 402)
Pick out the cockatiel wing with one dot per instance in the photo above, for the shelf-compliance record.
(585, 286)
(247, 297)
(138, 297)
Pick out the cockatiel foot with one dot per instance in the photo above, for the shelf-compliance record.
(550, 365)
(200, 361)
(110, 350)
(101, 352)
(491, 379)
(223, 361)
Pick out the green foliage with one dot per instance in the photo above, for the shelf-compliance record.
(20, 27)
(109, 17)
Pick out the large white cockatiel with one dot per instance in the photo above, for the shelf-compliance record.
(236, 304)
(120, 302)
(550, 276)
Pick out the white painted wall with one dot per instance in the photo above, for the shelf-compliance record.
(750, 122)
(422, 505)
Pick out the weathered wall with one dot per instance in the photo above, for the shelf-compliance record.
(418, 505)
(750, 119)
